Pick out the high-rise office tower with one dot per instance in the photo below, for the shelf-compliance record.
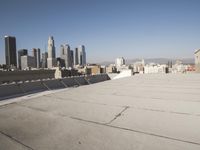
(119, 62)
(76, 56)
(10, 51)
(44, 59)
(27, 62)
(51, 60)
(21, 52)
(65, 54)
(72, 57)
(36, 54)
(81, 55)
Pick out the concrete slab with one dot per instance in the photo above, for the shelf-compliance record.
(69, 108)
(174, 126)
(163, 105)
(140, 112)
(7, 143)
(46, 131)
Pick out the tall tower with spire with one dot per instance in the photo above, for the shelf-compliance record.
(51, 60)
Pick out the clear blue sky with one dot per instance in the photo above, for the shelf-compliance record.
(108, 28)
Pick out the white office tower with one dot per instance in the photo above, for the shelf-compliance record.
(65, 54)
(81, 55)
(51, 60)
(119, 63)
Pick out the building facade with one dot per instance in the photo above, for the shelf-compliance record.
(81, 55)
(119, 63)
(27, 62)
(65, 54)
(72, 58)
(51, 60)
(36, 55)
(44, 60)
(155, 68)
(21, 52)
(76, 56)
(197, 60)
(10, 51)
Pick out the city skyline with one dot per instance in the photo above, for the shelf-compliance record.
(20, 59)
(132, 29)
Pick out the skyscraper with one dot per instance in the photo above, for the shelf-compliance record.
(65, 54)
(10, 51)
(76, 56)
(36, 54)
(21, 52)
(44, 59)
(72, 57)
(51, 60)
(81, 55)
(119, 62)
(27, 62)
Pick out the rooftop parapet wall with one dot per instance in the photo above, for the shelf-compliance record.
(30, 75)
(16, 76)
(28, 87)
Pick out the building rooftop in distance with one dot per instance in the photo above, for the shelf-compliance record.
(142, 112)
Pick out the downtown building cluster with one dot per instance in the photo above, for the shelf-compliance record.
(23, 61)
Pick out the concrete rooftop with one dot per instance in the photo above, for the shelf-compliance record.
(142, 112)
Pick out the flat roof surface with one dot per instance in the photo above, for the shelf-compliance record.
(142, 112)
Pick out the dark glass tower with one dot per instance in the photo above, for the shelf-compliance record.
(76, 56)
(72, 58)
(10, 51)
(36, 54)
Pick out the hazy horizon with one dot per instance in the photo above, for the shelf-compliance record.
(109, 29)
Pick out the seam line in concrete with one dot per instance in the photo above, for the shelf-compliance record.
(78, 101)
(138, 131)
(103, 104)
(15, 140)
(118, 115)
(164, 111)
(122, 128)
(33, 108)
(152, 98)
(6, 105)
(131, 107)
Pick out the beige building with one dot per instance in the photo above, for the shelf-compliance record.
(197, 60)
(111, 69)
(95, 69)
(84, 70)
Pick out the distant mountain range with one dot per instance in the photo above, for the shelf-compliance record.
(153, 60)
